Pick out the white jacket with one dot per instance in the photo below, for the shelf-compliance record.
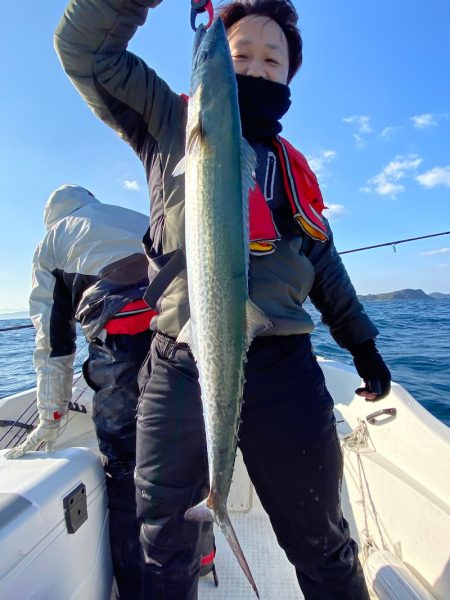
(91, 257)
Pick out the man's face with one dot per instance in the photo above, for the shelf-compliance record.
(259, 48)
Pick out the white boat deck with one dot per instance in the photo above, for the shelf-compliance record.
(273, 574)
(393, 474)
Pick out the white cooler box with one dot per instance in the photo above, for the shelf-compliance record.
(54, 538)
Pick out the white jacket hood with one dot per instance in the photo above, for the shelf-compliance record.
(64, 201)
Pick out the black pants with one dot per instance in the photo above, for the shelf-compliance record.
(292, 453)
(111, 370)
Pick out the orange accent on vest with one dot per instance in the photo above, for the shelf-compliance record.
(262, 248)
(311, 231)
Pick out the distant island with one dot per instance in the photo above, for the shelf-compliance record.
(407, 294)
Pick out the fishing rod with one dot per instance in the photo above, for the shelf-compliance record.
(394, 244)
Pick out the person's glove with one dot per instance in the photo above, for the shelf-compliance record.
(45, 434)
(372, 370)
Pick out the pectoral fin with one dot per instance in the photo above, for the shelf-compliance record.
(257, 321)
(180, 168)
(185, 335)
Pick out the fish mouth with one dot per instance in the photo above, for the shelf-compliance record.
(210, 45)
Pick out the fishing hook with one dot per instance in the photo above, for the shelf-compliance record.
(199, 6)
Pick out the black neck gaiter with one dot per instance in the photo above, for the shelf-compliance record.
(261, 103)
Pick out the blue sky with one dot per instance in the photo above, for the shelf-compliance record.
(371, 110)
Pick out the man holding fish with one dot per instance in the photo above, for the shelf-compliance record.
(236, 243)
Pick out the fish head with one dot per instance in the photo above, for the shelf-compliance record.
(211, 53)
(213, 89)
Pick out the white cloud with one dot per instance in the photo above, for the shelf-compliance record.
(424, 120)
(360, 141)
(397, 167)
(387, 188)
(436, 252)
(443, 266)
(388, 132)
(131, 185)
(319, 162)
(334, 211)
(387, 183)
(435, 176)
(362, 122)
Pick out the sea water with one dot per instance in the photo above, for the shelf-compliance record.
(414, 341)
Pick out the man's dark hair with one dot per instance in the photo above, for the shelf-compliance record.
(281, 11)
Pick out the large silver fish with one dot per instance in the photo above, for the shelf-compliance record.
(218, 168)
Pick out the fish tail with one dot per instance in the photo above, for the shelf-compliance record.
(202, 512)
(229, 533)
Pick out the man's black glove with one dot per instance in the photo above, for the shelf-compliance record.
(372, 369)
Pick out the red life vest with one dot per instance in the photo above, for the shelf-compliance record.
(305, 199)
(303, 192)
(132, 319)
